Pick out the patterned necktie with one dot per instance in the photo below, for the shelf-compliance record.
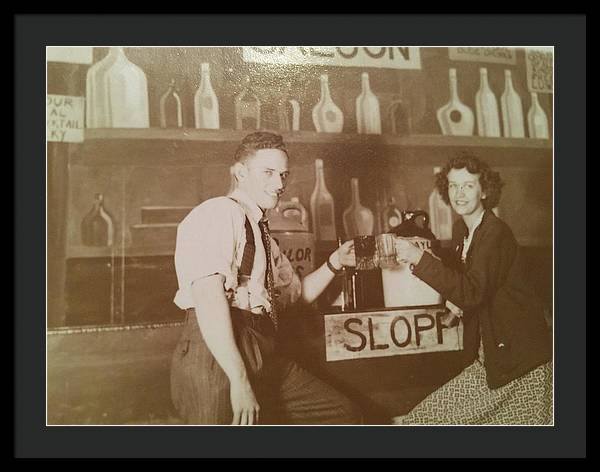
(263, 224)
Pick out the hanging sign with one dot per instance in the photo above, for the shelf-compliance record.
(497, 55)
(64, 118)
(539, 69)
(72, 54)
(389, 57)
(389, 333)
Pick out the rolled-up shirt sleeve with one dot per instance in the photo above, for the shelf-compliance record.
(207, 244)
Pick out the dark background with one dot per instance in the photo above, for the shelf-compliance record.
(564, 439)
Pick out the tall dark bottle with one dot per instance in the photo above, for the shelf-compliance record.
(97, 228)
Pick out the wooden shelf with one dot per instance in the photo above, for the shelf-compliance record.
(311, 137)
(78, 252)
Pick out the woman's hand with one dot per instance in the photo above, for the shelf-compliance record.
(344, 255)
(407, 252)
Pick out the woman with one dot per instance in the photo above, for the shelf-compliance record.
(508, 378)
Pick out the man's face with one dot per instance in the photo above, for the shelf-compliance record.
(263, 176)
(465, 192)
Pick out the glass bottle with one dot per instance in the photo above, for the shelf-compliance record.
(118, 95)
(392, 215)
(322, 207)
(170, 108)
(206, 104)
(440, 214)
(97, 228)
(368, 117)
(455, 118)
(348, 286)
(537, 119)
(486, 107)
(358, 220)
(327, 116)
(512, 109)
(247, 108)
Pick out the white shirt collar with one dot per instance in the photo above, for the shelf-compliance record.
(252, 209)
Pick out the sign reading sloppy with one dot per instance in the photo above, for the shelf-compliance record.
(389, 333)
(539, 70)
(389, 57)
(483, 54)
(64, 119)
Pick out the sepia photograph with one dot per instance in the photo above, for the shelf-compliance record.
(332, 235)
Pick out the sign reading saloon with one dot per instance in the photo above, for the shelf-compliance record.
(396, 57)
(389, 333)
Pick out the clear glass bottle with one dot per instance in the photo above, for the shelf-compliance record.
(322, 207)
(440, 214)
(118, 93)
(512, 109)
(171, 115)
(486, 107)
(206, 104)
(455, 118)
(327, 116)
(368, 116)
(247, 108)
(358, 220)
(97, 228)
(537, 119)
(392, 215)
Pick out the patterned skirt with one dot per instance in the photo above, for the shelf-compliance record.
(467, 400)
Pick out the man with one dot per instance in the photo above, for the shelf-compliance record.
(233, 280)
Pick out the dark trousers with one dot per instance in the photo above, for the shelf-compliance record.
(286, 393)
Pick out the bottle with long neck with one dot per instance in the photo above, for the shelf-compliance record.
(322, 207)
(455, 118)
(97, 228)
(358, 219)
(247, 108)
(368, 117)
(488, 123)
(327, 116)
(440, 213)
(206, 104)
(170, 108)
(537, 119)
(512, 110)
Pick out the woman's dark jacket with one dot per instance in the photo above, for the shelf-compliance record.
(494, 291)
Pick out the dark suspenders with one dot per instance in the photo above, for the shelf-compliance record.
(249, 248)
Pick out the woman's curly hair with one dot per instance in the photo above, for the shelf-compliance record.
(491, 183)
(256, 141)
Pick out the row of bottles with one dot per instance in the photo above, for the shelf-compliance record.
(457, 119)
(117, 97)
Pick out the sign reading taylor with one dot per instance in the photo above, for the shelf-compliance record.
(390, 57)
(389, 333)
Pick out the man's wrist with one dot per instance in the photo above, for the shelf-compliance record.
(332, 267)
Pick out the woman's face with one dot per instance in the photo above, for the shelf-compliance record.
(465, 192)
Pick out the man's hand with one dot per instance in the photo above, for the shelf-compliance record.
(344, 255)
(243, 403)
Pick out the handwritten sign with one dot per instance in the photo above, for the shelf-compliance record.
(539, 70)
(483, 54)
(390, 57)
(64, 119)
(389, 333)
(71, 54)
